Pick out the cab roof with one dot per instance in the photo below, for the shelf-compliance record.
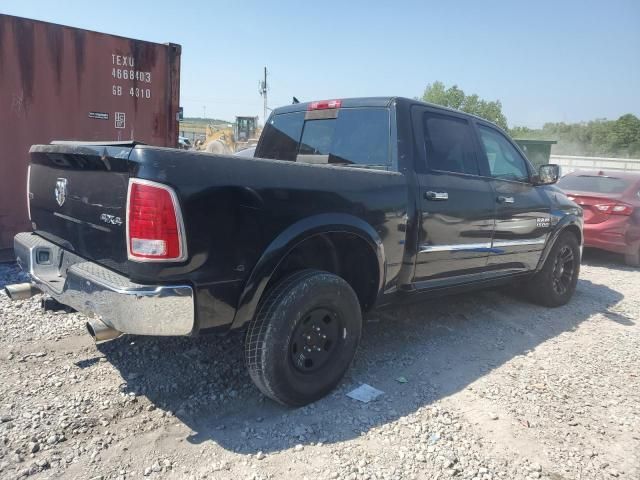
(346, 103)
(383, 102)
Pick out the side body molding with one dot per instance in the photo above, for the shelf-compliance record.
(287, 241)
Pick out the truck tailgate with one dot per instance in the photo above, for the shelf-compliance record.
(78, 196)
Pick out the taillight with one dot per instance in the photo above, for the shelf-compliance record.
(615, 208)
(324, 104)
(622, 209)
(155, 231)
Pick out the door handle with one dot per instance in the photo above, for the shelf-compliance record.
(503, 199)
(436, 196)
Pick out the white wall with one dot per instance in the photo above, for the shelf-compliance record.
(569, 163)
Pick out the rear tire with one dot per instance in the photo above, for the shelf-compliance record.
(555, 283)
(303, 337)
(633, 259)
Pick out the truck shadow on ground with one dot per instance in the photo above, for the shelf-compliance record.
(439, 347)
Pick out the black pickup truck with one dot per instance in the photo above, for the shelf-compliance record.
(349, 205)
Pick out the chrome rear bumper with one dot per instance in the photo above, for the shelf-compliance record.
(94, 290)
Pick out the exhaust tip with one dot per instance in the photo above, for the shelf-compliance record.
(21, 291)
(101, 332)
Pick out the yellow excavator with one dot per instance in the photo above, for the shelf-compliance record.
(225, 139)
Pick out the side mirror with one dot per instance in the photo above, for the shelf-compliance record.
(548, 174)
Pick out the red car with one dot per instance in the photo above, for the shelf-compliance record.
(611, 204)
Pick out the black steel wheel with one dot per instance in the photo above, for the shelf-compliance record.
(556, 281)
(315, 339)
(304, 337)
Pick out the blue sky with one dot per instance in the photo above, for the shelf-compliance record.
(545, 60)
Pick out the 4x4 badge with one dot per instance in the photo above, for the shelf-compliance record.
(112, 219)
(61, 190)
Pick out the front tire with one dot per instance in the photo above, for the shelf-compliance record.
(303, 337)
(554, 284)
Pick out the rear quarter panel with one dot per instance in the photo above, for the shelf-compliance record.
(234, 208)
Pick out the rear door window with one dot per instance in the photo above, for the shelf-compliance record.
(449, 144)
(357, 136)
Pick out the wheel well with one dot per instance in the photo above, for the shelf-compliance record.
(344, 254)
(576, 231)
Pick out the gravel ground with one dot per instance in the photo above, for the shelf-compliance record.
(477, 386)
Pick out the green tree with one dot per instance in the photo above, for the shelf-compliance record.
(617, 138)
(454, 97)
(626, 131)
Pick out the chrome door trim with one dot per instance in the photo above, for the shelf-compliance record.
(454, 248)
(516, 243)
(488, 246)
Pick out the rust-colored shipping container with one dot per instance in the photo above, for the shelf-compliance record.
(63, 83)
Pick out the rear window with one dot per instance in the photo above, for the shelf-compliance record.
(449, 144)
(358, 136)
(593, 183)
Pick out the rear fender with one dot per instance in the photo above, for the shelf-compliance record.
(287, 241)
